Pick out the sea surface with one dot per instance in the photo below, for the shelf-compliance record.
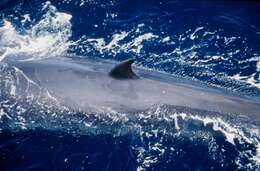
(216, 43)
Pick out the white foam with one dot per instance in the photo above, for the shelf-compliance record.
(26, 18)
(193, 35)
(136, 44)
(247, 79)
(101, 45)
(13, 90)
(228, 40)
(177, 127)
(257, 156)
(216, 57)
(2, 113)
(118, 44)
(115, 40)
(218, 125)
(209, 33)
(166, 39)
(251, 78)
(230, 131)
(49, 37)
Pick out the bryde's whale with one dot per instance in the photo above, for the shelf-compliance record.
(91, 84)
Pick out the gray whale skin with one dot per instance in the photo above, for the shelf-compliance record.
(87, 85)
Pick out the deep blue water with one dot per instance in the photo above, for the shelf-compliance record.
(216, 43)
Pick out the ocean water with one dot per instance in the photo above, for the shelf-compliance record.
(214, 43)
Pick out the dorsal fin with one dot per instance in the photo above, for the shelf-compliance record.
(123, 70)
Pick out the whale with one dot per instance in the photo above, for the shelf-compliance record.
(91, 84)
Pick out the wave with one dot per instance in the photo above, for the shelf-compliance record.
(47, 38)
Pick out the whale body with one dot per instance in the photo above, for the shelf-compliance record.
(88, 84)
